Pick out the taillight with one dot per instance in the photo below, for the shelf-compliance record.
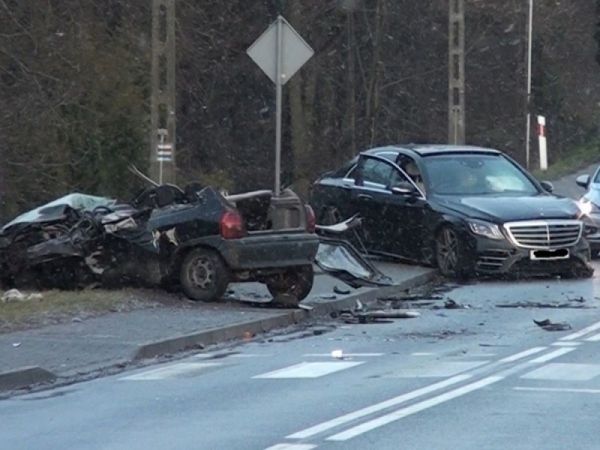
(311, 221)
(232, 225)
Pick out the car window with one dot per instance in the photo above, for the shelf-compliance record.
(597, 179)
(464, 174)
(375, 171)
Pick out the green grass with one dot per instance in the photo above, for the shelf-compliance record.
(60, 306)
(572, 161)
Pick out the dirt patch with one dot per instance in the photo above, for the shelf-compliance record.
(57, 306)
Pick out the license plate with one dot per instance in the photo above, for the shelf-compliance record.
(561, 253)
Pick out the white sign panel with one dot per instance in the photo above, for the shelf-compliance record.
(294, 52)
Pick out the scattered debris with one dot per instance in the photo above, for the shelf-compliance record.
(360, 314)
(340, 291)
(13, 295)
(16, 344)
(578, 305)
(337, 354)
(306, 307)
(548, 325)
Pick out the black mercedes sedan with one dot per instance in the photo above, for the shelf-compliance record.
(465, 209)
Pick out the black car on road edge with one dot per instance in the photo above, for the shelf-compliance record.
(465, 209)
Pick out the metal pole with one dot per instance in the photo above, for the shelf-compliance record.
(278, 106)
(529, 58)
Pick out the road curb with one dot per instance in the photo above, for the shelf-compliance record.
(251, 328)
(24, 377)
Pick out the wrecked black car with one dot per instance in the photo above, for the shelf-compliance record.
(196, 239)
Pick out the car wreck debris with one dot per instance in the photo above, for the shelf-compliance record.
(548, 325)
(195, 239)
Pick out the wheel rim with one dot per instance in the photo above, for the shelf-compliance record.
(202, 273)
(447, 250)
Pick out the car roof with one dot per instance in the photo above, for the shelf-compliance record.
(432, 149)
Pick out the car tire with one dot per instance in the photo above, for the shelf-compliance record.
(203, 275)
(291, 287)
(451, 255)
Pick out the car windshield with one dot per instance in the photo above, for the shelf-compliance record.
(476, 175)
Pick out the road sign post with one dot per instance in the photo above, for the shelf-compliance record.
(280, 52)
(543, 143)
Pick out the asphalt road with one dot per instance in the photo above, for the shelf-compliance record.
(479, 376)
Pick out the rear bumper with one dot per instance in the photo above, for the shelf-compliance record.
(269, 251)
(502, 257)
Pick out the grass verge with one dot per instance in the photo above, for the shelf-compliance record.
(576, 159)
(60, 306)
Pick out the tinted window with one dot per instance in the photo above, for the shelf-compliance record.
(375, 171)
(476, 175)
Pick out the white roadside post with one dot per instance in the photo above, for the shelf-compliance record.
(280, 52)
(543, 143)
(164, 152)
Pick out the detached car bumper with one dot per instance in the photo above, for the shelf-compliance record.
(503, 257)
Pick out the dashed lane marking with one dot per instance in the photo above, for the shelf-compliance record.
(594, 338)
(566, 344)
(566, 390)
(291, 447)
(438, 369)
(552, 355)
(310, 369)
(396, 401)
(523, 354)
(413, 409)
(566, 372)
(177, 370)
(582, 332)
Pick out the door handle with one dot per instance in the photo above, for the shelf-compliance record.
(364, 197)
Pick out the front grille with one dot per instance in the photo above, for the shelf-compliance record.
(545, 233)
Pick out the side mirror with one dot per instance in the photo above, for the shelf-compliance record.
(583, 181)
(548, 187)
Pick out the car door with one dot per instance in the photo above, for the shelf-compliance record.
(389, 215)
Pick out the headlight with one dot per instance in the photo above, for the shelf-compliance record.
(489, 230)
(585, 206)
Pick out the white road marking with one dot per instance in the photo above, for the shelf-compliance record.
(250, 355)
(341, 420)
(345, 355)
(422, 354)
(566, 344)
(594, 338)
(541, 389)
(566, 372)
(310, 369)
(439, 369)
(172, 370)
(413, 409)
(580, 333)
(552, 355)
(523, 354)
(292, 447)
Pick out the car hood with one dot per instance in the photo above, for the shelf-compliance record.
(507, 209)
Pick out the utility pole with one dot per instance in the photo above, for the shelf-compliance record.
(162, 103)
(528, 103)
(456, 72)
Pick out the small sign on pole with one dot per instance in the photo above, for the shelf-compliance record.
(280, 52)
(542, 142)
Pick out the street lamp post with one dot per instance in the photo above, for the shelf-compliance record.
(529, 57)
